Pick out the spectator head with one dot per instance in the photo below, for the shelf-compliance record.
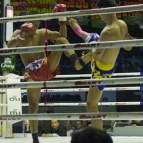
(90, 135)
(112, 122)
(78, 124)
(68, 125)
(84, 123)
(51, 109)
(55, 124)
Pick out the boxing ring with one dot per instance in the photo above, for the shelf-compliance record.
(11, 83)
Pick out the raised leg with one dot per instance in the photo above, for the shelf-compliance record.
(55, 56)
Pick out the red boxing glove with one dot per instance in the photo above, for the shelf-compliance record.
(25, 30)
(61, 8)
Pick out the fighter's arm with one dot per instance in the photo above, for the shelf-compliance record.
(77, 29)
(106, 35)
(128, 37)
(53, 35)
(13, 42)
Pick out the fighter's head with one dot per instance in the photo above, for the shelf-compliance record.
(92, 37)
(35, 23)
(105, 4)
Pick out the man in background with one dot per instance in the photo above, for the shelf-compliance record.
(55, 130)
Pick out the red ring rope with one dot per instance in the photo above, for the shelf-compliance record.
(48, 60)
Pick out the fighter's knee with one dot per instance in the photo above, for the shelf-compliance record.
(78, 65)
(91, 107)
(77, 61)
(33, 108)
(61, 40)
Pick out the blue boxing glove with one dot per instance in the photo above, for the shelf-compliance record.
(92, 37)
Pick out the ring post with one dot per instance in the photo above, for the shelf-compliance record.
(13, 101)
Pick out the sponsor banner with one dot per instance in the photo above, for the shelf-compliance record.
(8, 63)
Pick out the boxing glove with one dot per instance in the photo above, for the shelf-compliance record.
(25, 30)
(61, 8)
(92, 37)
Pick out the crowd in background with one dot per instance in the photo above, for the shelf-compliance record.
(55, 128)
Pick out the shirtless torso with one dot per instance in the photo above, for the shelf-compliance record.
(36, 40)
(116, 31)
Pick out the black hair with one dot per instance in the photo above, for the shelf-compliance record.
(56, 120)
(105, 3)
(32, 12)
(68, 121)
(90, 135)
(78, 121)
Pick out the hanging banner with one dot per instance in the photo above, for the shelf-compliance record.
(46, 6)
(21, 7)
(131, 17)
(41, 6)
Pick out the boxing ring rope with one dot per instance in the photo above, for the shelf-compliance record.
(77, 46)
(83, 89)
(68, 83)
(73, 13)
(83, 75)
(89, 75)
(84, 104)
(77, 116)
(74, 116)
(86, 89)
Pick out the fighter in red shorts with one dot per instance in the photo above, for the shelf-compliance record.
(38, 67)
